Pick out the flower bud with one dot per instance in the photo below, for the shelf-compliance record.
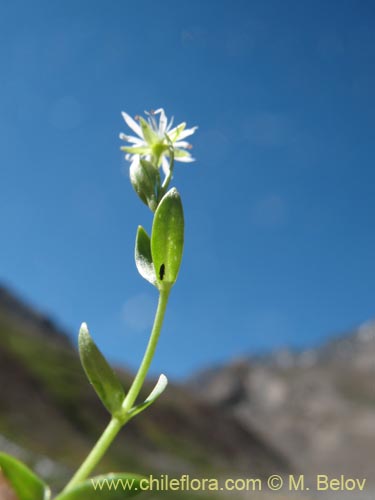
(145, 179)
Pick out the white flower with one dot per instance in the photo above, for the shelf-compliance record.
(155, 140)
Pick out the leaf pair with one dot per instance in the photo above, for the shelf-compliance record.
(158, 259)
(106, 383)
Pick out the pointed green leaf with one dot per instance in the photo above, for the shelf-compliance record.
(143, 259)
(25, 484)
(155, 393)
(167, 238)
(100, 374)
(114, 486)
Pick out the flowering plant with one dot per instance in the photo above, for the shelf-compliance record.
(155, 140)
(158, 258)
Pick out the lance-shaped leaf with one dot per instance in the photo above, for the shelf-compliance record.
(143, 258)
(25, 484)
(167, 238)
(100, 374)
(113, 486)
(155, 393)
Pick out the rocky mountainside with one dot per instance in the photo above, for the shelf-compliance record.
(311, 411)
(50, 416)
(317, 407)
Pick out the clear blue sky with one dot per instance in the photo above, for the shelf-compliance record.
(280, 204)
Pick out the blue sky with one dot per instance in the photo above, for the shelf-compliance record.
(279, 206)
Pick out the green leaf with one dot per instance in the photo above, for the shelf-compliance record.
(145, 179)
(155, 393)
(143, 258)
(114, 486)
(25, 484)
(100, 374)
(167, 238)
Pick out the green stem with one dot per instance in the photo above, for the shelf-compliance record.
(149, 353)
(119, 421)
(96, 453)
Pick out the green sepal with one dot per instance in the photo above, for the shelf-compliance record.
(143, 258)
(149, 135)
(113, 486)
(135, 150)
(159, 388)
(181, 153)
(173, 137)
(100, 374)
(145, 179)
(167, 239)
(25, 484)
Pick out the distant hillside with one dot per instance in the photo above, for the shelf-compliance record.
(50, 416)
(317, 407)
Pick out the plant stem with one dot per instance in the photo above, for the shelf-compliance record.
(96, 453)
(119, 421)
(149, 353)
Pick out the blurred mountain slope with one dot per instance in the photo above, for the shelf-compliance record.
(317, 407)
(50, 416)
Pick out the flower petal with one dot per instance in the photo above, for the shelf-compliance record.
(185, 159)
(134, 161)
(182, 144)
(130, 138)
(186, 133)
(170, 125)
(155, 139)
(151, 121)
(162, 121)
(132, 124)
(165, 165)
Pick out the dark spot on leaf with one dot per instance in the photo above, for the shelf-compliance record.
(162, 272)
